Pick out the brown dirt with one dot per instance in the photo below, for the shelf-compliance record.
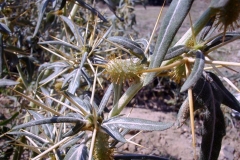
(177, 143)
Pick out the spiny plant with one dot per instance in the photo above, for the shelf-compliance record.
(83, 51)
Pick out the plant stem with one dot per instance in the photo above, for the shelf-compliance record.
(198, 26)
(125, 99)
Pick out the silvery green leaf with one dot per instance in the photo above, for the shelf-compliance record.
(72, 141)
(58, 64)
(60, 43)
(29, 134)
(87, 101)
(134, 47)
(93, 10)
(114, 133)
(7, 82)
(113, 8)
(115, 142)
(176, 51)
(68, 77)
(74, 28)
(46, 92)
(78, 102)
(57, 72)
(75, 82)
(105, 99)
(77, 152)
(136, 124)
(41, 10)
(206, 30)
(183, 113)
(87, 77)
(48, 128)
(105, 35)
(4, 29)
(196, 72)
(75, 129)
(49, 120)
(58, 69)
(73, 114)
(145, 42)
(173, 19)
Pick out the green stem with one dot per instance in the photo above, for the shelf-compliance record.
(198, 26)
(125, 99)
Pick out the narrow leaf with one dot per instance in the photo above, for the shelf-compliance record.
(41, 10)
(134, 47)
(48, 128)
(196, 72)
(75, 129)
(176, 51)
(169, 26)
(114, 133)
(77, 152)
(29, 134)
(74, 28)
(60, 43)
(49, 120)
(137, 124)
(78, 102)
(75, 82)
(105, 99)
(4, 29)
(72, 141)
(7, 82)
(93, 10)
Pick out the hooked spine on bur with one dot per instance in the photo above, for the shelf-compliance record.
(120, 70)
